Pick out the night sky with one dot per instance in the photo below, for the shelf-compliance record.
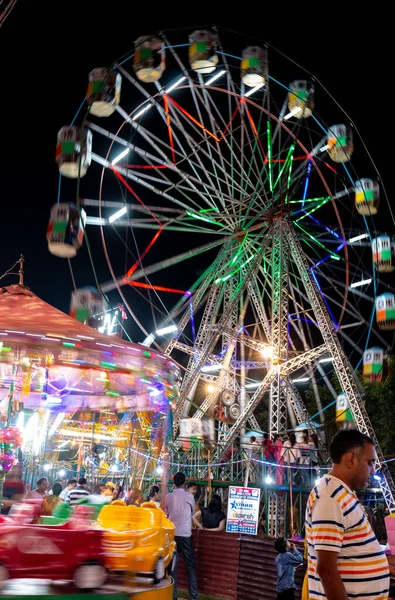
(46, 55)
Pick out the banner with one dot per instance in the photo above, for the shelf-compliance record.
(243, 510)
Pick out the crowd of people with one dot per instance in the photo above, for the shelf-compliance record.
(285, 457)
(15, 492)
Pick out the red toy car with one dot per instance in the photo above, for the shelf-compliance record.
(72, 550)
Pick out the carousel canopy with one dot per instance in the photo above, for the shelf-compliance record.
(52, 360)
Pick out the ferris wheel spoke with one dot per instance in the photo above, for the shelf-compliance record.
(196, 92)
(176, 113)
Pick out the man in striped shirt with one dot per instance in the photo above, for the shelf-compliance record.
(345, 560)
(79, 492)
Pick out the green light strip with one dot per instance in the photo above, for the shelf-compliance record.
(269, 155)
(289, 171)
(239, 250)
(308, 200)
(334, 256)
(222, 279)
(290, 151)
(324, 201)
(191, 214)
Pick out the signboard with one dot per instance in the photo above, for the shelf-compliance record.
(243, 510)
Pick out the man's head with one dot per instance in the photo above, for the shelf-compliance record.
(353, 456)
(42, 484)
(179, 479)
(266, 437)
(82, 482)
(57, 488)
(192, 488)
(71, 484)
(282, 545)
(253, 439)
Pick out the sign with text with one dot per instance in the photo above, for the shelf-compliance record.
(243, 510)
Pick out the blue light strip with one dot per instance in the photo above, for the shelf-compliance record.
(306, 184)
(324, 299)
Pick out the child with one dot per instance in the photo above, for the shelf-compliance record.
(287, 560)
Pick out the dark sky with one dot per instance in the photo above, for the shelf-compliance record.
(48, 48)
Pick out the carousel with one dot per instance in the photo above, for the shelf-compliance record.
(84, 402)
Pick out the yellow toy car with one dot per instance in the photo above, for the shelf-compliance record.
(137, 540)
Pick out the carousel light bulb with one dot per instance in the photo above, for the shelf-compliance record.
(268, 479)
(159, 470)
(317, 480)
(62, 473)
(210, 388)
(47, 467)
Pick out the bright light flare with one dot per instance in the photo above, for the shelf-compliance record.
(255, 89)
(359, 283)
(122, 211)
(293, 112)
(165, 330)
(215, 77)
(268, 352)
(120, 156)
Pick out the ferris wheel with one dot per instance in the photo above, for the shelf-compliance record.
(252, 248)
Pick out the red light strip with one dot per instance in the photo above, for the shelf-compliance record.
(232, 117)
(136, 264)
(169, 128)
(143, 166)
(254, 129)
(158, 288)
(193, 119)
(125, 183)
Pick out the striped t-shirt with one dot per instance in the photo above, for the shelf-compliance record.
(77, 494)
(336, 522)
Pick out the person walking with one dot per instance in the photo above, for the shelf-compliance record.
(180, 508)
(79, 492)
(345, 560)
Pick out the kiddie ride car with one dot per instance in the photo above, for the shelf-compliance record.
(72, 550)
(137, 540)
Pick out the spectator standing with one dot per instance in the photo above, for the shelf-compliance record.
(212, 517)
(180, 507)
(41, 490)
(291, 455)
(64, 495)
(287, 559)
(345, 560)
(79, 492)
(305, 451)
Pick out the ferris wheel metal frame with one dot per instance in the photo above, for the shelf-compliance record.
(258, 237)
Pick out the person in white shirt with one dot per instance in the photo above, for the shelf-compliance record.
(71, 484)
(180, 508)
